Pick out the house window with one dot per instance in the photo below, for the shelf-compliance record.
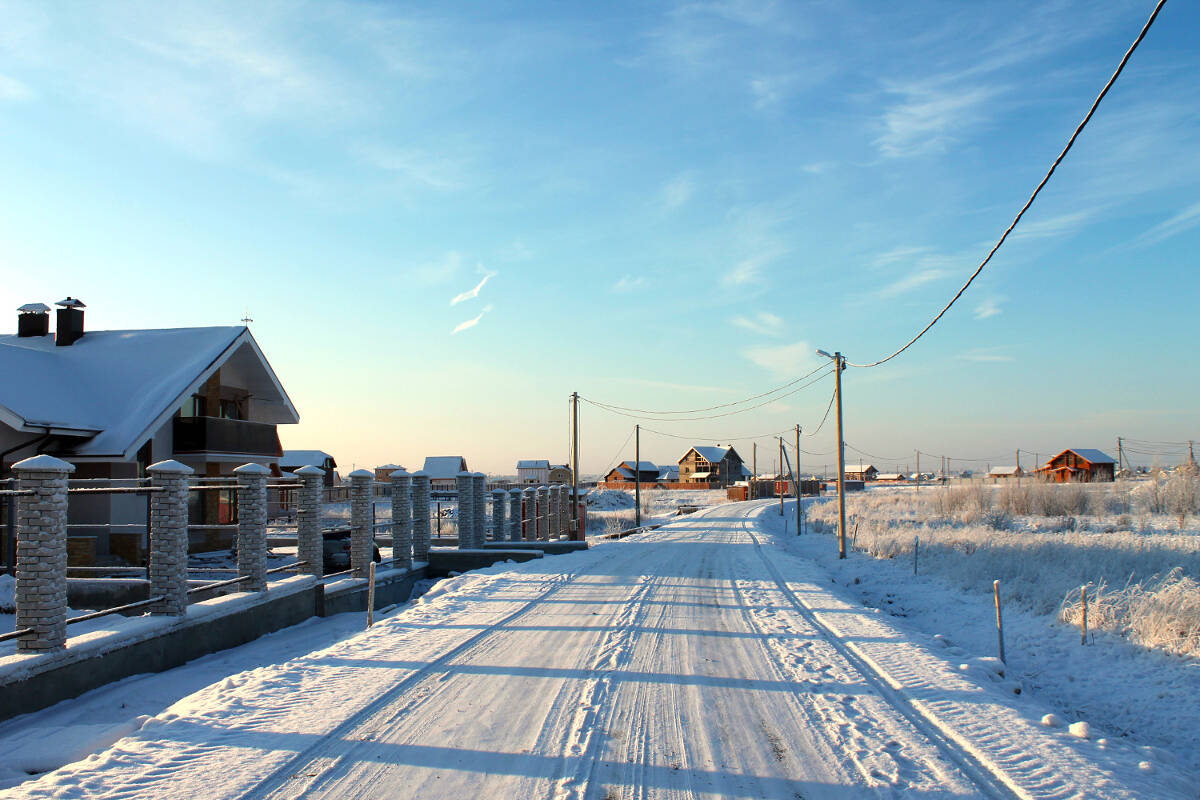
(193, 407)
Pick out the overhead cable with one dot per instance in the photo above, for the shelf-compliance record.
(1070, 143)
(792, 382)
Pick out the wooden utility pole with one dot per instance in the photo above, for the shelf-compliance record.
(637, 476)
(1120, 455)
(1018, 466)
(799, 497)
(574, 461)
(841, 466)
(779, 477)
(918, 470)
(754, 477)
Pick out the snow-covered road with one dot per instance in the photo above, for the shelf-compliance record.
(695, 661)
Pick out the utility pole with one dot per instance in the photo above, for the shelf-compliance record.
(799, 496)
(1018, 466)
(1120, 455)
(918, 470)
(637, 476)
(839, 364)
(574, 462)
(779, 484)
(754, 477)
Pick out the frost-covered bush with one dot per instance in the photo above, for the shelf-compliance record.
(1159, 612)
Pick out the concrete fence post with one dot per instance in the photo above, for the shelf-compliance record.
(252, 526)
(41, 568)
(499, 507)
(529, 514)
(552, 522)
(466, 509)
(169, 536)
(514, 516)
(402, 519)
(543, 513)
(310, 545)
(420, 516)
(362, 535)
(479, 496)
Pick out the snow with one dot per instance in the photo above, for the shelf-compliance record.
(709, 658)
(442, 467)
(117, 383)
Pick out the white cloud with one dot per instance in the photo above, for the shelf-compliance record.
(1185, 220)
(628, 283)
(1049, 228)
(13, 89)
(988, 308)
(986, 354)
(786, 360)
(929, 118)
(897, 254)
(749, 270)
(471, 323)
(676, 192)
(913, 280)
(471, 294)
(764, 323)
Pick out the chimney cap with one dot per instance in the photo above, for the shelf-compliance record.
(70, 302)
(34, 308)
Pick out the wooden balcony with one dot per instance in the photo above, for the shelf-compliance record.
(218, 435)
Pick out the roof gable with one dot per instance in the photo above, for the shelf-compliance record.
(301, 458)
(533, 463)
(444, 466)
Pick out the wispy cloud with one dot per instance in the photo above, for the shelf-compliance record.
(929, 117)
(628, 283)
(764, 323)
(679, 387)
(471, 323)
(676, 192)
(985, 354)
(471, 294)
(1049, 228)
(913, 280)
(988, 308)
(1186, 219)
(749, 270)
(785, 360)
(898, 254)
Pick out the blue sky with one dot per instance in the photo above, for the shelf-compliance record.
(672, 206)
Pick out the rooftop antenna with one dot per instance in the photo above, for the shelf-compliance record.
(246, 320)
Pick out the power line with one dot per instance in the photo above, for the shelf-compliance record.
(869, 455)
(1070, 143)
(620, 449)
(610, 406)
(613, 409)
(718, 438)
(832, 397)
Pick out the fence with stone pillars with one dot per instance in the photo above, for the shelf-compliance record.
(479, 499)
(362, 531)
(499, 514)
(252, 526)
(514, 515)
(169, 537)
(529, 515)
(543, 513)
(41, 585)
(310, 544)
(402, 519)
(420, 515)
(466, 509)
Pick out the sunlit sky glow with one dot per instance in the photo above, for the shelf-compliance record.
(444, 220)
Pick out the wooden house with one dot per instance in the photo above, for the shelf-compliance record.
(1005, 473)
(719, 467)
(1078, 464)
(861, 473)
(647, 473)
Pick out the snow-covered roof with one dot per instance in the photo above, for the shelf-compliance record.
(1092, 455)
(1005, 470)
(441, 467)
(623, 472)
(33, 308)
(533, 463)
(118, 387)
(642, 466)
(303, 458)
(891, 476)
(668, 472)
(389, 466)
(712, 454)
(862, 468)
(701, 475)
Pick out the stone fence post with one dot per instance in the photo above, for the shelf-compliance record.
(169, 536)
(252, 526)
(529, 514)
(543, 513)
(479, 496)
(499, 507)
(466, 509)
(514, 516)
(420, 516)
(555, 510)
(402, 519)
(362, 535)
(310, 544)
(41, 586)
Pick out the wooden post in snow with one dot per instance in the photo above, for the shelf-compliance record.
(371, 593)
(1083, 615)
(999, 620)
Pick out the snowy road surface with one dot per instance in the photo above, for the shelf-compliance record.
(696, 661)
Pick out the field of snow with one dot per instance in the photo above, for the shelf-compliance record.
(611, 510)
(706, 659)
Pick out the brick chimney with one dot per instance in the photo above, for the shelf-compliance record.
(33, 320)
(69, 327)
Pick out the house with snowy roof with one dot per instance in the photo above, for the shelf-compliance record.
(719, 467)
(646, 472)
(114, 402)
(1079, 464)
(862, 472)
(293, 460)
(443, 474)
(533, 472)
(1006, 473)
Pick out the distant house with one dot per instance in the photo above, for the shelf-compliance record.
(668, 473)
(719, 467)
(295, 459)
(114, 402)
(861, 473)
(443, 472)
(1081, 464)
(383, 474)
(624, 472)
(891, 477)
(533, 472)
(560, 473)
(1005, 473)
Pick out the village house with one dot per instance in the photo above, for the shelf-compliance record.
(1005, 473)
(1080, 464)
(891, 477)
(443, 474)
(624, 473)
(719, 467)
(668, 473)
(861, 473)
(533, 472)
(113, 402)
(560, 473)
(295, 459)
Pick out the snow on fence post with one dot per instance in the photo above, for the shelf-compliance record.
(402, 519)
(420, 515)
(466, 508)
(41, 569)
(529, 515)
(499, 506)
(169, 536)
(999, 620)
(362, 535)
(479, 498)
(514, 515)
(252, 526)
(310, 546)
(543, 516)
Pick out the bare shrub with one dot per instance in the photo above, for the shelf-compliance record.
(1181, 494)
(1161, 612)
(1016, 499)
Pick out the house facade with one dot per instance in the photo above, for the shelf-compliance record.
(1006, 473)
(443, 474)
(533, 472)
(646, 472)
(1078, 465)
(114, 402)
(719, 467)
(861, 473)
(560, 473)
(295, 459)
